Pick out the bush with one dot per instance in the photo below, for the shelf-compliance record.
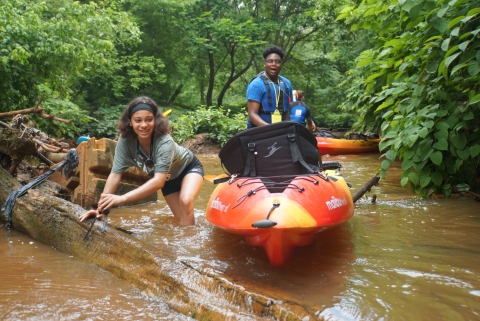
(219, 124)
(104, 122)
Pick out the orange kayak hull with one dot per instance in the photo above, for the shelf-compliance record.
(310, 204)
(334, 146)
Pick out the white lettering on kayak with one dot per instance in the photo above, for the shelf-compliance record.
(335, 203)
(218, 205)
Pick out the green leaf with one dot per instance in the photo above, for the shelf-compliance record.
(463, 153)
(436, 157)
(413, 177)
(463, 45)
(391, 155)
(385, 104)
(475, 150)
(455, 32)
(407, 164)
(473, 68)
(424, 181)
(447, 190)
(450, 59)
(457, 68)
(413, 138)
(445, 44)
(459, 141)
(436, 178)
(441, 12)
(408, 154)
(469, 116)
(458, 164)
(441, 144)
(385, 164)
(455, 21)
(423, 132)
(404, 181)
(473, 12)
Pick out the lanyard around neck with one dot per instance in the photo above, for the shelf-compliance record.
(277, 96)
(145, 157)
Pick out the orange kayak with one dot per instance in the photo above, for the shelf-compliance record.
(335, 146)
(281, 213)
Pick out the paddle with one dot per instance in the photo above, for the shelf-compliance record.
(217, 179)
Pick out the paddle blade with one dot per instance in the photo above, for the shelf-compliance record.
(217, 179)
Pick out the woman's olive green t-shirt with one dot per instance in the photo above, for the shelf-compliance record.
(169, 157)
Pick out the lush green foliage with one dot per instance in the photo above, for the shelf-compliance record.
(420, 85)
(104, 124)
(219, 124)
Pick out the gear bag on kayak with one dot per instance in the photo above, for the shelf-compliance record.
(284, 148)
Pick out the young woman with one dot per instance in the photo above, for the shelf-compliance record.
(145, 142)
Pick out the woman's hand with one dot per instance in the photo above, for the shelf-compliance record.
(108, 200)
(90, 213)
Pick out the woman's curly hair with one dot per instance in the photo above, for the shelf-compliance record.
(161, 123)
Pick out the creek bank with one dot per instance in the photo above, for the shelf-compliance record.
(201, 144)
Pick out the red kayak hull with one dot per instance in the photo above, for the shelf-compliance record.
(310, 204)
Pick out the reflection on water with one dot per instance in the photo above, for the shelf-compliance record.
(399, 259)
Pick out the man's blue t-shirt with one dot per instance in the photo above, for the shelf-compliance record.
(257, 91)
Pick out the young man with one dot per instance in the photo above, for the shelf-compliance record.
(269, 94)
(300, 112)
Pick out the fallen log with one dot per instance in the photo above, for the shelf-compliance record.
(35, 110)
(365, 188)
(44, 216)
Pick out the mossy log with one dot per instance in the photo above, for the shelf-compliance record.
(44, 216)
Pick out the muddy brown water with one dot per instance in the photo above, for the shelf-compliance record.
(402, 258)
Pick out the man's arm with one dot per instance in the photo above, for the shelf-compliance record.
(253, 109)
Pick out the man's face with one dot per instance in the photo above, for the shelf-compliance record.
(273, 65)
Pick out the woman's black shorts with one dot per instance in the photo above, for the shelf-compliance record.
(174, 185)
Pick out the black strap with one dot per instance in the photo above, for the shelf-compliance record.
(267, 82)
(250, 169)
(296, 155)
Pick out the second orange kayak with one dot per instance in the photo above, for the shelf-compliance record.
(335, 146)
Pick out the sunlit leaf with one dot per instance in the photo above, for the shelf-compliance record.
(457, 68)
(450, 59)
(455, 21)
